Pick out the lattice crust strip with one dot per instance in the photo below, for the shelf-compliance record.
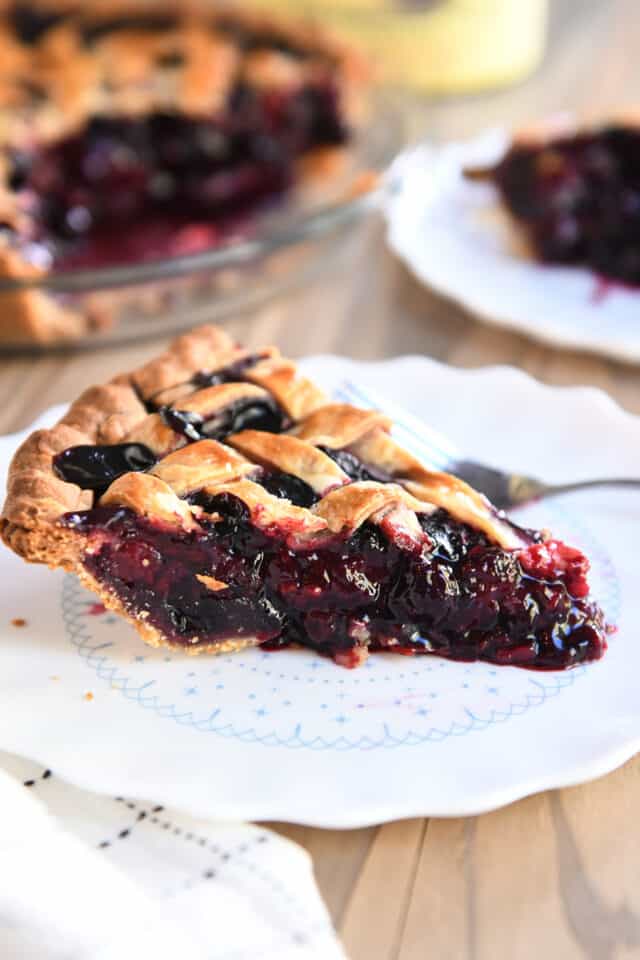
(182, 55)
(344, 506)
(184, 406)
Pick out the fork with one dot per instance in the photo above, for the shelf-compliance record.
(506, 490)
(503, 489)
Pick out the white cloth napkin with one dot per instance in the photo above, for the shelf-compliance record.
(101, 878)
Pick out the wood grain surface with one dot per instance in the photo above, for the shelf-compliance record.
(554, 876)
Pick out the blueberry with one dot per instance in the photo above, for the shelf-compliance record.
(96, 467)
(288, 487)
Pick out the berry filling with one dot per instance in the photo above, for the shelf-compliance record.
(251, 415)
(354, 468)
(288, 487)
(178, 183)
(578, 199)
(456, 595)
(96, 467)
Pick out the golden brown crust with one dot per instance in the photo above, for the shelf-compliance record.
(114, 413)
(177, 56)
(38, 499)
(296, 395)
(347, 508)
(338, 425)
(293, 456)
(150, 497)
(36, 496)
(200, 349)
(29, 315)
(442, 489)
(190, 468)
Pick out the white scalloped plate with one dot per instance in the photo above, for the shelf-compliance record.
(291, 736)
(453, 236)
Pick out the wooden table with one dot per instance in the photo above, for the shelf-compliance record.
(555, 875)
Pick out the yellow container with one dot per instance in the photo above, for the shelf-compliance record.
(439, 46)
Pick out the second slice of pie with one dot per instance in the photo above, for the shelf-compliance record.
(217, 500)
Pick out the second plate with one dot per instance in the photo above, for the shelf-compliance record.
(454, 236)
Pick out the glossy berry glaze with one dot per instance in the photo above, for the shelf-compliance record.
(96, 467)
(178, 184)
(578, 198)
(456, 595)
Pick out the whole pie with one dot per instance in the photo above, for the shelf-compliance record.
(217, 500)
(131, 134)
(576, 195)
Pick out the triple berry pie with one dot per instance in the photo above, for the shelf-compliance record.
(130, 134)
(217, 500)
(577, 197)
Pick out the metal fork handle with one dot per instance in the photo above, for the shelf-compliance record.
(522, 489)
(506, 490)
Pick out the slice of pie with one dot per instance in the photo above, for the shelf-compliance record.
(131, 134)
(217, 500)
(576, 196)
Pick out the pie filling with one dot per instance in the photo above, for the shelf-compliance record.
(455, 595)
(178, 183)
(578, 198)
(222, 544)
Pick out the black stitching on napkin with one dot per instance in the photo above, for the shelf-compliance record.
(43, 776)
(126, 831)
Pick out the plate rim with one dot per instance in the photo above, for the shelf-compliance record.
(615, 747)
(541, 332)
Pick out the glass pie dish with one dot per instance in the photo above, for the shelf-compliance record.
(276, 247)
